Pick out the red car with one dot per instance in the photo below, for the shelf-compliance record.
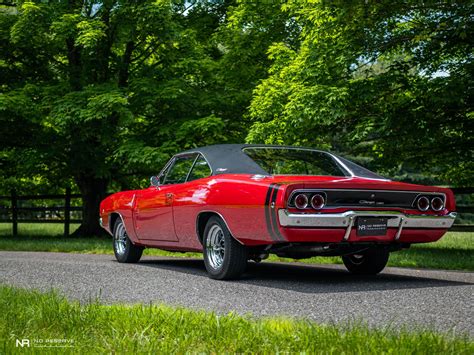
(238, 202)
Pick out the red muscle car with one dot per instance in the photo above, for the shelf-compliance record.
(237, 202)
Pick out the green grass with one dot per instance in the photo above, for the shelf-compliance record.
(97, 328)
(455, 251)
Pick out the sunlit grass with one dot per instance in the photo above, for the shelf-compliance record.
(455, 251)
(97, 328)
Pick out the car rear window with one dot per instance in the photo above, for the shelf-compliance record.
(294, 161)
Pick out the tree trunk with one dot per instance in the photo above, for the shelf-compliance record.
(93, 191)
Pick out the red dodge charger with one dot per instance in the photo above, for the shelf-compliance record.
(237, 202)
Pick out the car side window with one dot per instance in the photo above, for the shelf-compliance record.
(164, 172)
(179, 170)
(200, 170)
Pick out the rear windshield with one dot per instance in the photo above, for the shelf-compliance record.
(294, 161)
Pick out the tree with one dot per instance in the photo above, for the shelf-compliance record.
(386, 79)
(80, 81)
(99, 94)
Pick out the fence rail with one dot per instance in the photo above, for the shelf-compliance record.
(67, 209)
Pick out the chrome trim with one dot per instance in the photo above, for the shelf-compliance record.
(222, 217)
(192, 166)
(344, 166)
(349, 227)
(173, 158)
(346, 220)
(442, 204)
(321, 206)
(418, 199)
(165, 167)
(112, 227)
(400, 228)
(305, 204)
(309, 190)
(335, 158)
(215, 247)
(197, 152)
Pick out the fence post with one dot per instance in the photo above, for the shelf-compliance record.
(14, 202)
(67, 211)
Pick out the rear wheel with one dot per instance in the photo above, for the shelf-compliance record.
(125, 251)
(224, 257)
(370, 262)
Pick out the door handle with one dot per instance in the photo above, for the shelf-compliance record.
(169, 198)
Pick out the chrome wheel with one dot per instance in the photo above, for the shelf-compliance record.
(120, 239)
(215, 246)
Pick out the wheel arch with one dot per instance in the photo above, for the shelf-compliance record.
(112, 219)
(202, 219)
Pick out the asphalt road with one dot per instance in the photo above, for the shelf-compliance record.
(441, 300)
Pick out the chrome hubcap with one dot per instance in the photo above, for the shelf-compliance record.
(120, 239)
(215, 246)
(357, 258)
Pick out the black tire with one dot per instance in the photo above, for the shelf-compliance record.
(234, 259)
(369, 262)
(130, 253)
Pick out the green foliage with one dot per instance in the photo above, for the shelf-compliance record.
(392, 80)
(97, 328)
(100, 93)
(94, 93)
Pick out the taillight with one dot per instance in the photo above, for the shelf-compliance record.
(317, 201)
(423, 203)
(437, 204)
(301, 201)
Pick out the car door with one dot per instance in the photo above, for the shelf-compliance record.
(154, 206)
(189, 199)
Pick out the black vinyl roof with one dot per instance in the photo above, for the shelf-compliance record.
(231, 159)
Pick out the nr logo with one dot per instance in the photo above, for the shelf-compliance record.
(23, 343)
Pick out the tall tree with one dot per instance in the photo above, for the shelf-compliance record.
(85, 86)
(96, 93)
(392, 80)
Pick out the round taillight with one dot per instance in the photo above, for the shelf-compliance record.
(301, 201)
(437, 204)
(317, 201)
(423, 203)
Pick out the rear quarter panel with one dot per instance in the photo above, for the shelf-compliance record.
(242, 203)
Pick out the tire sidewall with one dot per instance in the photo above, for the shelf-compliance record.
(372, 263)
(235, 254)
(125, 256)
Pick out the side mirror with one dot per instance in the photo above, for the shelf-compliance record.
(155, 181)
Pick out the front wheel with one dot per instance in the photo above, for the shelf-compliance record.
(370, 262)
(125, 251)
(224, 257)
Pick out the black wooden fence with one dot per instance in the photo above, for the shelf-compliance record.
(52, 214)
(11, 214)
(462, 209)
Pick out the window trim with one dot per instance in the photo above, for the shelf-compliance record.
(194, 164)
(171, 164)
(344, 169)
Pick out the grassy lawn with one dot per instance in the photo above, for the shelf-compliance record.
(97, 328)
(455, 251)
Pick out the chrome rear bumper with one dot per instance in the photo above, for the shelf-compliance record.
(347, 219)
